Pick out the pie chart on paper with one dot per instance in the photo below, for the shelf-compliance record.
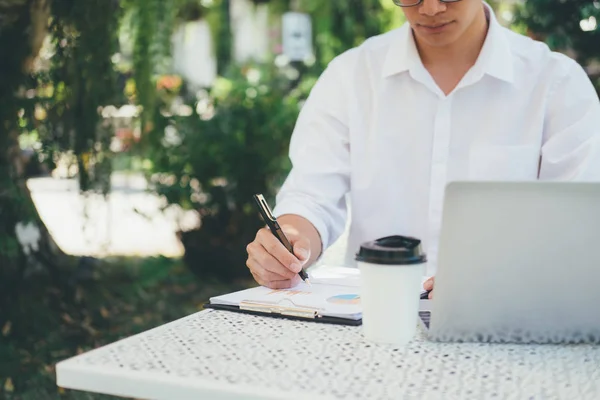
(349, 299)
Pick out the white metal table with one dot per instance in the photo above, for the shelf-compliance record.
(225, 355)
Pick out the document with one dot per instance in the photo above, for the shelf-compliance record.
(324, 299)
(334, 292)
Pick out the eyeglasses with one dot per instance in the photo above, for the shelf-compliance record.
(413, 3)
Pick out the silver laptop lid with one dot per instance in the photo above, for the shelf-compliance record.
(519, 262)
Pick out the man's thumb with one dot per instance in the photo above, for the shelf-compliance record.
(302, 252)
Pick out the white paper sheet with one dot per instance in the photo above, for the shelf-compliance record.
(328, 300)
(334, 292)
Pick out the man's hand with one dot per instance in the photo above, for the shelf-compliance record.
(271, 264)
(428, 285)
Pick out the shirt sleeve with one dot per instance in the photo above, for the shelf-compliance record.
(571, 148)
(319, 180)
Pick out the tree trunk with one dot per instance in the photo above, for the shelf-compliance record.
(26, 247)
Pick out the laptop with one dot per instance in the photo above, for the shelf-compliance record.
(518, 262)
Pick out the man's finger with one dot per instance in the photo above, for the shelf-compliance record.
(428, 284)
(270, 263)
(302, 251)
(300, 243)
(269, 276)
(264, 260)
(281, 284)
(295, 280)
(278, 251)
(266, 275)
(278, 284)
(257, 278)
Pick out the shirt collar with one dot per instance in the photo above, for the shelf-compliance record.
(402, 53)
(495, 58)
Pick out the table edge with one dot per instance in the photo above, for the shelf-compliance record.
(157, 386)
(70, 374)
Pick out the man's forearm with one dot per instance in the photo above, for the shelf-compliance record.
(305, 228)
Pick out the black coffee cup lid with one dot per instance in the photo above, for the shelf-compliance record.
(392, 250)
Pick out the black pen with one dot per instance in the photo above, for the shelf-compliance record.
(271, 221)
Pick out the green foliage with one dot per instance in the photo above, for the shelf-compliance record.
(559, 24)
(16, 206)
(254, 116)
(11, 70)
(341, 25)
(60, 108)
(233, 145)
(215, 163)
(222, 35)
(81, 79)
(119, 298)
(151, 23)
(143, 66)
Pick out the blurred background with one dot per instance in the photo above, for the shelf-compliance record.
(133, 134)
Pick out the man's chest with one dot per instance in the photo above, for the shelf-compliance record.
(480, 132)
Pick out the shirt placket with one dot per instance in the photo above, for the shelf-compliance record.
(438, 177)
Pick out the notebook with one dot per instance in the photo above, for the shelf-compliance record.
(332, 297)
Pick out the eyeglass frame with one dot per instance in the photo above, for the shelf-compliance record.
(419, 2)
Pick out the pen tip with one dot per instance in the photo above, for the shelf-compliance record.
(307, 281)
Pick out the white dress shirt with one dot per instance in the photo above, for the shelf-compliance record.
(377, 127)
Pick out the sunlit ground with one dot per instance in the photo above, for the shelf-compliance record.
(128, 222)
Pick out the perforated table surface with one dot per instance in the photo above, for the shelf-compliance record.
(225, 355)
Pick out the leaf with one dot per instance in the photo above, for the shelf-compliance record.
(67, 318)
(6, 329)
(78, 294)
(8, 386)
(104, 312)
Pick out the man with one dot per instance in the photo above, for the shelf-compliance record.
(451, 95)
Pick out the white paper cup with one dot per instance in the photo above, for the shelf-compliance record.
(391, 271)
